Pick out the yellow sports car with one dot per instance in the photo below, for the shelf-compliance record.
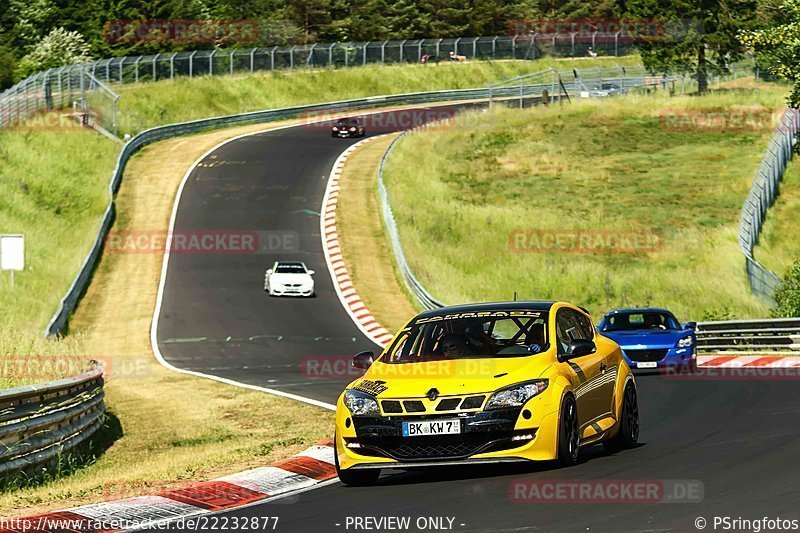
(491, 382)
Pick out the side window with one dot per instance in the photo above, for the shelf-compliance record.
(585, 325)
(571, 325)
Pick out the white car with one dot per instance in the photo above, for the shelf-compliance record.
(289, 278)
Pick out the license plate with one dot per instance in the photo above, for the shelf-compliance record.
(647, 364)
(431, 427)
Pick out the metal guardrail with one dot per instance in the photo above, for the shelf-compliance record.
(778, 335)
(39, 423)
(420, 293)
(58, 88)
(762, 195)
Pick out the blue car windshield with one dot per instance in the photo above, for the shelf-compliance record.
(640, 320)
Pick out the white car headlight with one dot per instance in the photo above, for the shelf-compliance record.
(685, 342)
(516, 395)
(361, 404)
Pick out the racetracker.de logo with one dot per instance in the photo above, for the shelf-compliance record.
(384, 122)
(60, 121)
(341, 366)
(721, 120)
(606, 491)
(232, 242)
(181, 31)
(742, 373)
(631, 30)
(585, 241)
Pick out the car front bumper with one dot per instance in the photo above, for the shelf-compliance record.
(291, 291)
(649, 359)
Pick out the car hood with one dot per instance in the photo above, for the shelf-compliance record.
(645, 338)
(291, 278)
(463, 376)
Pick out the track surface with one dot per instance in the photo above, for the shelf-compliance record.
(740, 439)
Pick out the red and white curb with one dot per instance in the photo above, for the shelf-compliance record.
(748, 361)
(297, 473)
(331, 247)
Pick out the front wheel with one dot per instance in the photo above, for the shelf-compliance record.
(355, 478)
(628, 434)
(568, 432)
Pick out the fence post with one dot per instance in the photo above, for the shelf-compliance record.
(402, 44)
(474, 47)
(383, 53)
(494, 48)
(291, 57)
(252, 60)
(155, 62)
(172, 66)
(211, 62)
(191, 63)
(272, 58)
(364, 55)
(136, 64)
(616, 43)
(231, 58)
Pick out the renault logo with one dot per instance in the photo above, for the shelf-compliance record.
(433, 394)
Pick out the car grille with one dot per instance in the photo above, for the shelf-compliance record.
(442, 405)
(436, 447)
(646, 356)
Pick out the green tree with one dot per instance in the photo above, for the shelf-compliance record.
(699, 36)
(778, 47)
(7, 66)
(313, 16)
(60, 47)
(787, 298)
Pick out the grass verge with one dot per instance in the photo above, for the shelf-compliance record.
(149, 104)
(463, 195)
(365, 249)
(172, 429)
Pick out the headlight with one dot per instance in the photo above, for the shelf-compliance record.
(516, 395)
(361, 404)
(685, 342)
(352, 129)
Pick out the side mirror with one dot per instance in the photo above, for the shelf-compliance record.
(579, 348)
(690, 325)
(310, 272)
(363, 360)
(269, 272)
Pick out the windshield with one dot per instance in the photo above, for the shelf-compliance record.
(290, 268)
(471, 335)
(640, 320)
(348, 122)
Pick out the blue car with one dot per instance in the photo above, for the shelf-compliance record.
(651, 338)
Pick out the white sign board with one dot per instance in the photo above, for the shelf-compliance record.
(12, 252)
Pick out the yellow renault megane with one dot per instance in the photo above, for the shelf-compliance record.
(491, 382)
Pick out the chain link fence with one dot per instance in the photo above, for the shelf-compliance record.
(65, 87)
(762, 195)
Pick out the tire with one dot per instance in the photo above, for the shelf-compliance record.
(355, 478)
(628, 434)
(568, 432)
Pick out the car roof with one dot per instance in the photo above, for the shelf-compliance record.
(533, 305)
(348, 119)
(629, 310)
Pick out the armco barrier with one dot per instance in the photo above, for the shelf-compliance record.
(775, 336)
(39, 423)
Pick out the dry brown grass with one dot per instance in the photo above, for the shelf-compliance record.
(365, 249)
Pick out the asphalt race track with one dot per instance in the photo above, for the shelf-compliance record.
(739, 439)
